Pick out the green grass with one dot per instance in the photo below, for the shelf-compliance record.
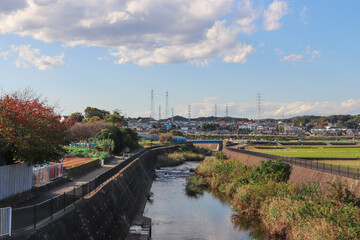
(321, 152)
(344, 163)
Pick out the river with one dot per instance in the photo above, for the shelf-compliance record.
(175, 215)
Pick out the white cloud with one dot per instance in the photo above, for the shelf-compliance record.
(272, 109)
(308, 56)
(13, 5)
(5, 54)
(146, 32)
(246, 15)
(25, 55)
(292, 58)
(303, 15)
(273, 14)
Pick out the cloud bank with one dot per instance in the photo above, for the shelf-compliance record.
(145, 32)
(25, 55)
(206, 107)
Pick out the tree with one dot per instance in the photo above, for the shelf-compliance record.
(77, 116)
(115, 118)
(30, 130)
(92, 112)
(176, 133)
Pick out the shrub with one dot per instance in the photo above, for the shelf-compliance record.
(195, 185)
(276, 171)
(221, 156)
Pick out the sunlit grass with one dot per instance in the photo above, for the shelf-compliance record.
(320, 152)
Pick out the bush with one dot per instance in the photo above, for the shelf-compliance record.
(203, 151)
(221, 156)
(276, 171)
(195, 185)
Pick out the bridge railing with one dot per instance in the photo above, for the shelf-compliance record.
(340, 170)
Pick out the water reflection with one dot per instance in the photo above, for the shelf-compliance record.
(178, 216)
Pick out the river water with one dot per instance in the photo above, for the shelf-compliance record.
(178, 216)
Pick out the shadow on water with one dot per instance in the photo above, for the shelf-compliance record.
(175, 215)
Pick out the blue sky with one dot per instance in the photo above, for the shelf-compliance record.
(301, 55)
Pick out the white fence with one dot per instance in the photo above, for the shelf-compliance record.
(5, 221)
(15, 179)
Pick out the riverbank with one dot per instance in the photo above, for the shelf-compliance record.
(177, 216)
(288, 211)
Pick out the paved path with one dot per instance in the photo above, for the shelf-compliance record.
(70, 185)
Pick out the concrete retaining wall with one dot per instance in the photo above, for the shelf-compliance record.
(109, 212)
(299, 175)
(83, 169)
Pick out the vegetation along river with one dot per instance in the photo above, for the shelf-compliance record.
(175, 215)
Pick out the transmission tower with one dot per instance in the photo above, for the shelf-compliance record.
(227, 111)
(189, 112)
(159, 112)
(215, 111)
(152, 110)
(167, 106)
(258, 106)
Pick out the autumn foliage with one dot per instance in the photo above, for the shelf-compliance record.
(30, 131)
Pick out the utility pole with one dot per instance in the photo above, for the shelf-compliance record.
(227, 111)
(215, 111)
(172, 114)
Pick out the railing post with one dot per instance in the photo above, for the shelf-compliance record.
(330, 168)
(35, 216)
(317, 165)
(339, 169)
(311, 164)
(305, 163)
(358, 173)
(323, 167)
(51, 208)
(74, 196)
(348, 171)
(64, 201)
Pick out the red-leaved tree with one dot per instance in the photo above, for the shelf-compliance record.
(30, 130)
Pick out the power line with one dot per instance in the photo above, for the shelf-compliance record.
(258, 106)
(167, 105)
(152, 110)
(189, 112)
(159, 112)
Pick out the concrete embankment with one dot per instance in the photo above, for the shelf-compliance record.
(109, 212)
(299, 175)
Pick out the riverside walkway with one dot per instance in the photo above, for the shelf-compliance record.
(67, 186)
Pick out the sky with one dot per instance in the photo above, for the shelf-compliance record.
(301, 56)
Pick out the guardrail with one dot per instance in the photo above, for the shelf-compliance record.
(306, 163)
(24, 218)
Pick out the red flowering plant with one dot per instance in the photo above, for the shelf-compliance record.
(30, 130)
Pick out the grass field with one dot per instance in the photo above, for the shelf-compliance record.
(321, 152)
(346, 163)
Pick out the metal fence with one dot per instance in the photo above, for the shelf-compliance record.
(29, 217)
(5, 221)
(306, 163)
(47, 173)
(15, 179)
